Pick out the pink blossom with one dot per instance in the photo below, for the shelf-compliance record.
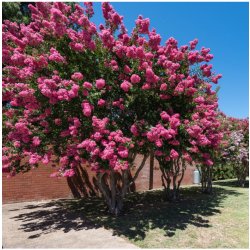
(154, 40)
(100, 83)
(174, 154)
(55, 56)
(206, 156)
(97, 136)
(121, 165)
(36, 141)
(114, 65)
(86, 108)
(64, 161)
(187, 157)
(77, 76)
(203, 141)
(163, 87)
(17, 144)
(150, 76)
(195, 116)
(193, 43)
(5, 162)
(127, 70)
(216, 78)
(209, 162)
(69, 173)
(34, 159)
(146, 86)
(126, 86)
(135, 78)
(143, 25)
(158, 143)
(174, 122)
(99, 124)
(134, 130)
(46, 158)
(199, 99)
(206, 70)
(87, 85)
(58, 121)
(123, 152)
(101, 102)
(165, 116)
(107, 153)
(77, 46)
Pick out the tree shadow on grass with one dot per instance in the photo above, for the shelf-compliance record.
(144, 211)
(231, 183)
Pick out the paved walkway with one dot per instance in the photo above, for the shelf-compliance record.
(45, 225)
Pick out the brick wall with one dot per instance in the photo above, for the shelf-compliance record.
(37, 185)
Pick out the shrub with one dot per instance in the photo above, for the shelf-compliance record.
(223, 172)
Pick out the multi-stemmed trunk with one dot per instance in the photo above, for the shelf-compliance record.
(206, 173)
(114, 185)
(172, 176)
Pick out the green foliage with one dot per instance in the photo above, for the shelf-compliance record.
(223, 171)
(16, 12)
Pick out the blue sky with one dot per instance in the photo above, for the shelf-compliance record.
(222, 27)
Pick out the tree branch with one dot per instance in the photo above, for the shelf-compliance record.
(139, 169)
(103, 188)
(182, 173)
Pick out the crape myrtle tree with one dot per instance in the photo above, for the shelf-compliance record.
(68, 102)
(236, 151)
(80, 94)
(192, 120)
(232, 151)
(206, 170)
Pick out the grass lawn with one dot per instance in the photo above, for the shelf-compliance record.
(219, 220)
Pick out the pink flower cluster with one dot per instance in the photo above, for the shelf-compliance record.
(56, 56)
(143, 25)
(105, 146)
(57, 89)
(165, 134)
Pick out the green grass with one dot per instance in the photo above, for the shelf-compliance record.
(198, 220)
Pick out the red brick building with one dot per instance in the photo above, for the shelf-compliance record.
(38, 185)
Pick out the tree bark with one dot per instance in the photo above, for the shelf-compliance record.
(151, 171)
(170, 174)
(206, 179)
(113, 191)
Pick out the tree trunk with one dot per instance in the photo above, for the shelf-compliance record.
(206, 179)
(113, 190)
(151, 171)
(170, 174)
